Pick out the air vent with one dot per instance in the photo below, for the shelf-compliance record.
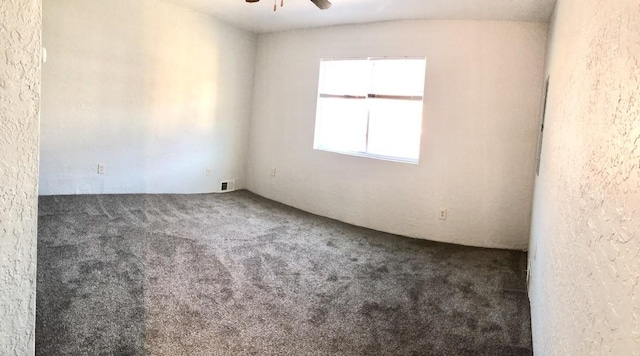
(228, 186)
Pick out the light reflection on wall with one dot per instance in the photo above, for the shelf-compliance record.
(155, 92)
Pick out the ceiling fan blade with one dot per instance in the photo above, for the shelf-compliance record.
(252, 0)
(322, 4)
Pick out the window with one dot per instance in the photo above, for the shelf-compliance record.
(371, 107)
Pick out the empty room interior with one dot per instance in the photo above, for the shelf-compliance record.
(343, 177)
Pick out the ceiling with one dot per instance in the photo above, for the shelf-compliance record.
(260, 17)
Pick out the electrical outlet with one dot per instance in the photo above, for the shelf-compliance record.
(528, 276)
(443, 214)
(530, 261)
(100, 168)
(208, 172)
(273, 172)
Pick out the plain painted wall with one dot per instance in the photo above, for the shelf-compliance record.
(585, 244)
(482, 101)
(155, 92)
(19, 110)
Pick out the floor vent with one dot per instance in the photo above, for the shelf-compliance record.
(228, 186)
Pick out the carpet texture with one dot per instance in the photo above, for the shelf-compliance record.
(237, 274)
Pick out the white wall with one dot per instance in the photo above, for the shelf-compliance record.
(585, 246)
(20, 26)
(483, 89)
(155, 92)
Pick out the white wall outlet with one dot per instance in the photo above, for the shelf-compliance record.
(273, 172)
(529, 277)
(208, 172)
(443, 214)
(100, 168)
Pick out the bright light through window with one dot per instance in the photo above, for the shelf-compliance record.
(371, 107)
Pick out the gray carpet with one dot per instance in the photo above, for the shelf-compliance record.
(236, 274)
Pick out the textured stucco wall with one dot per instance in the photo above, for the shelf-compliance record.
(482, 99)
(585, 246)
(155, 92)
(20, 27)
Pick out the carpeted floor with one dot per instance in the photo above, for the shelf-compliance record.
(236, 274)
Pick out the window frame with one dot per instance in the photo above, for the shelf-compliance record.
(369, 96)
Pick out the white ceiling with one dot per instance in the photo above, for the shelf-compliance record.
(259, 17)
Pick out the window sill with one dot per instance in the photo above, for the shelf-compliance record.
(369, 155)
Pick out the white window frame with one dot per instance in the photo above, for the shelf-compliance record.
(317, 145)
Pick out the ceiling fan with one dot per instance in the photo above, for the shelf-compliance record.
(321, 4)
